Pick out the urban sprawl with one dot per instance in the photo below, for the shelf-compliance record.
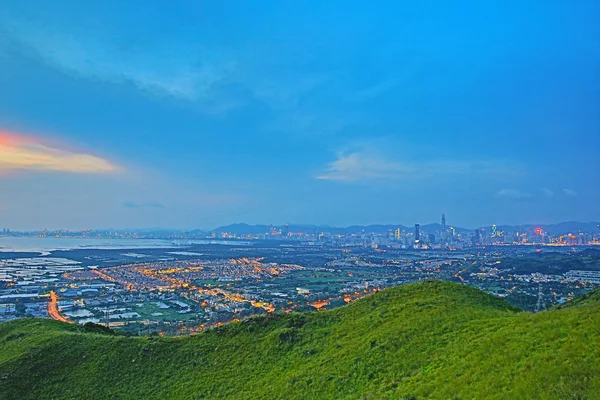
(194, 281)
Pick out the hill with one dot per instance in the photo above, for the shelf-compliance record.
(429, 340)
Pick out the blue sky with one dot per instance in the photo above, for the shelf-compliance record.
(192, 114)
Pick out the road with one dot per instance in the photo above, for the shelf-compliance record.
(53, 309)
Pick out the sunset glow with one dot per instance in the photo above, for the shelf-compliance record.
(19, 152)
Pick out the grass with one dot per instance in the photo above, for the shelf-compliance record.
(428, 340)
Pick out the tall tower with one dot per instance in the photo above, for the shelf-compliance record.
(541, 304)
(494, 230)
(443, 231)
(417, 233)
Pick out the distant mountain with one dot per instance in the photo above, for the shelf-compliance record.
(246, 229)
(243, 229)
(429, 340)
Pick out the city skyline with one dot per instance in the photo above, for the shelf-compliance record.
(291, 229)
(143, 114)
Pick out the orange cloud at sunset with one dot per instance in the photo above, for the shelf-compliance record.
(25, 153)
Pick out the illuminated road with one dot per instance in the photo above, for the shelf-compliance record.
(53, 309)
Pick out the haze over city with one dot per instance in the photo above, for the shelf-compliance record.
(185, 115)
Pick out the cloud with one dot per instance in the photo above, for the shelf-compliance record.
(369, 164)
(186, 78)
(23, 153)
(207, 75)
(152, 204)
(185, 71)
(211, 76)
(569, 192)
(547, 192)
(363, 166)
(514, 194)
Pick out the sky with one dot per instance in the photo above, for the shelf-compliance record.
(195, 114)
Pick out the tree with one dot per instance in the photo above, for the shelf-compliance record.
(20, 309)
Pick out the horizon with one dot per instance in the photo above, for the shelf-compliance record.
(200, 115)
(292, 224)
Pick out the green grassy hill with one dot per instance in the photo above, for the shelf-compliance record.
(429, 340)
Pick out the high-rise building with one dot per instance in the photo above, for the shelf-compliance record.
(476, 237)
(443, 230)
(431, 238)
(286, 230)
(398, 234)
(494, 231)
(417, 233)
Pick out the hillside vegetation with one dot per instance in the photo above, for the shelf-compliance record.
(428, 340)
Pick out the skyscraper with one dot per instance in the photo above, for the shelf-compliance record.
(443, 231)
(417, 233)
(476, 237)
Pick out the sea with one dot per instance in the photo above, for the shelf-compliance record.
(46, 245)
